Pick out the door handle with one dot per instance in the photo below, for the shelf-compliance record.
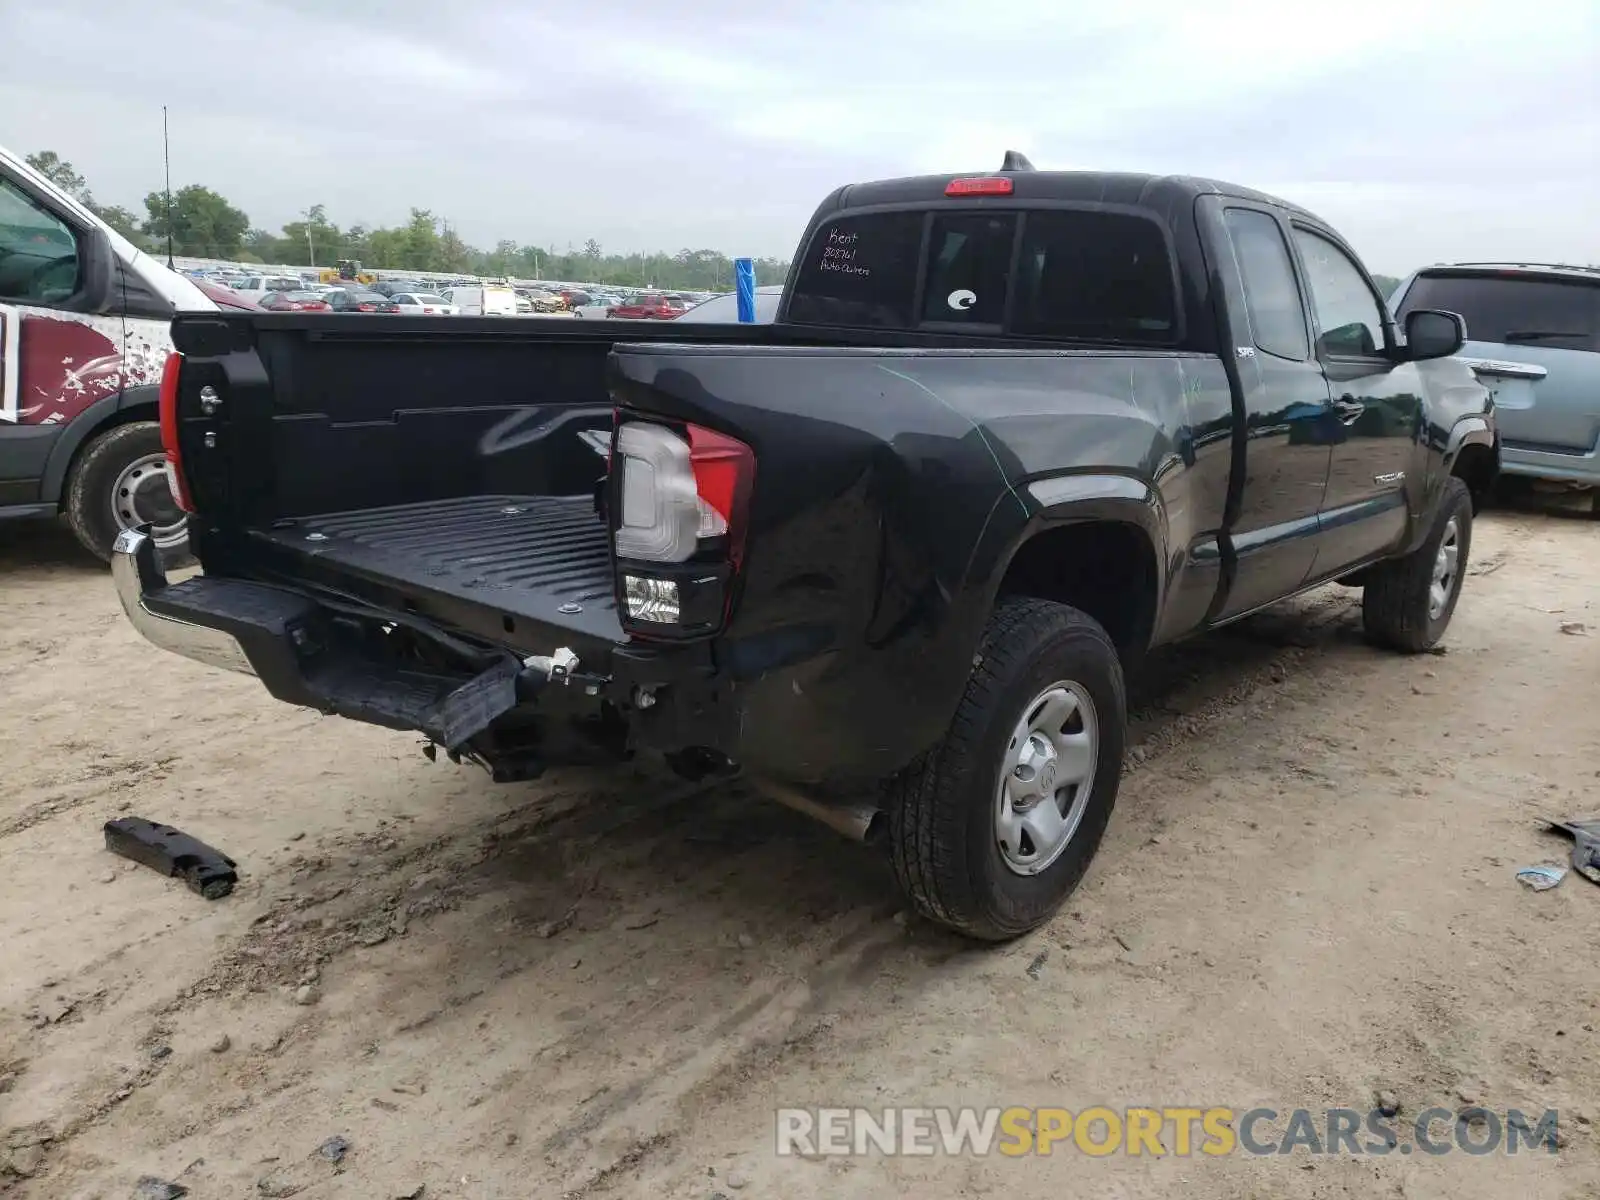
(1349, 409)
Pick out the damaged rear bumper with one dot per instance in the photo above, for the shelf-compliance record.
(136, 572)
(308, 654)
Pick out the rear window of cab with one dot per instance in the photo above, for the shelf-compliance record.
(1077, 274)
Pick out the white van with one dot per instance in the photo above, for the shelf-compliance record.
(85, 322)
(489, 300)
(258, 287)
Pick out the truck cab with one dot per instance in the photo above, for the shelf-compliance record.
(84, 332)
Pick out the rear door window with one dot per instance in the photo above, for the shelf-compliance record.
(969, 268)
(1271, 296)
(859, 271)
(1095, 276)
(1519, 311)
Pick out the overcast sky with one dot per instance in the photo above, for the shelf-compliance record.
(1423, 131)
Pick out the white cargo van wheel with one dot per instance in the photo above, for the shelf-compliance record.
(120, 482)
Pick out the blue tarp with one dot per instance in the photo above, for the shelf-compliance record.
(744, 281)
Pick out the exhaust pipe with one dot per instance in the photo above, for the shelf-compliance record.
(858, 821)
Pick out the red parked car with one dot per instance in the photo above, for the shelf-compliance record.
(222, 297)
(652, 306)
(294, 302)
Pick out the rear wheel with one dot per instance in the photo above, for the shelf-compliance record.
(1408, 602)
(120, 482)
(994, 828)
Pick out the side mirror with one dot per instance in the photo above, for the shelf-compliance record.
(1431, 333)
(97, 272)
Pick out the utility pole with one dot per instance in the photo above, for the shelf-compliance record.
(311, 249)
(166, 159)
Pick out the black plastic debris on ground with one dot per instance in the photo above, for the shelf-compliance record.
(172, 852)
(1585, 837)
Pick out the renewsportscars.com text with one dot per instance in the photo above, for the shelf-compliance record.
(1180, 1130)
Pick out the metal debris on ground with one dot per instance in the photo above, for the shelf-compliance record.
(151, 1188)
(1541, 878)
(1033, 968)
(172, 852)
(1585, 835)
(334, 1149)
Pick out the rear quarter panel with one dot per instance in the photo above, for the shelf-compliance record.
(891, 489)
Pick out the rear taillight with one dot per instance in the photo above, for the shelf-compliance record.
(680, 504)
(724, 469)
(167, 410)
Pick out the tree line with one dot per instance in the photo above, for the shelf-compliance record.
(204, 224)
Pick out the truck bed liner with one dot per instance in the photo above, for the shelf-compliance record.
(523, 556)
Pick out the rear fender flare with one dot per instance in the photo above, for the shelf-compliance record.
(1061, 500)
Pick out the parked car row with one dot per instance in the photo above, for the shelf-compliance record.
(459, 297)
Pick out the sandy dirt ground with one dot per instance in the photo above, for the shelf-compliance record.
(605, 983)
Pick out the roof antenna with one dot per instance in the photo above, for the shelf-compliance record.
(166, 162)
(1016, 160)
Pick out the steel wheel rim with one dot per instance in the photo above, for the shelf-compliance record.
(1046, 777)
(142, 495)
(1446, 570)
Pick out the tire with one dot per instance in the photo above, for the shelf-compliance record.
(119, 482)
(945, 812)
(1399, 609)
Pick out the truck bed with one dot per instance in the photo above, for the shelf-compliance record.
(528, 558)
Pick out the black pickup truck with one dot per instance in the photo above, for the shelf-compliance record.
(889, 556)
